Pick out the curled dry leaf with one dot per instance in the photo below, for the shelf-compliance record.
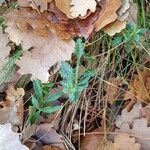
(115, 27)
(112, 89)
(108, 14)
(140, 87)
(63, 23)
(10, 139)
(12, 109)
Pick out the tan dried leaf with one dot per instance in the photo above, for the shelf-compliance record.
(112, 89)
(41, 5)
(9, 139)
(92, 139)
(46, 52)
(123, 142)
(38, 61)
(115, 27)
(140, 86)
(108, 14)
(80, 8)
(12, 108)
(64, 6)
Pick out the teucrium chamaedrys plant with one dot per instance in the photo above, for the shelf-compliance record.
(73, 83)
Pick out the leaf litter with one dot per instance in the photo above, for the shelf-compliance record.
(40, 35)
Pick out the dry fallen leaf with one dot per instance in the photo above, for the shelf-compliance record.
(12, 109)
(9, 139)
(4, 49)
(112, 89)
(140, 87)
(123, 142)
(49, 136)
(115, 27)
(45, 53)
(48, 147)
(129, 117)
(145, 113)
(80, 8)
(140, 131)
(108, 14)
(92, 140)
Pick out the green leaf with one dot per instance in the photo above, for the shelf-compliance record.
(35, 102)
(51, 109)
(37, 85)
(33, 117)
(79, 48)
(46, 87)
(66, 71)
(53, 97)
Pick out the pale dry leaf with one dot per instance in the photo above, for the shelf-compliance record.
(115, 27)
(48, 135)
(112, 89)
(123, 141)
(38, 61)
(4, 49)
(108, 14)
(46, 52)
(141, 132)
(133, 13)
(41, 5)
(145, 113)
(35, 4)
(12, 108)
(80, 8)
(124, 8)
(129, 117)
(64, 6)
(9, 139)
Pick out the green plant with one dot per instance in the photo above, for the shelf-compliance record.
(73, 83)
(42, 101)
(131, 36)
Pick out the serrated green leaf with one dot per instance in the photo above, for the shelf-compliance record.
(35, 102)
(79, 48)
(34, 117)
(51, 109)
(66, 71)
(53, 97)
(37, 85)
